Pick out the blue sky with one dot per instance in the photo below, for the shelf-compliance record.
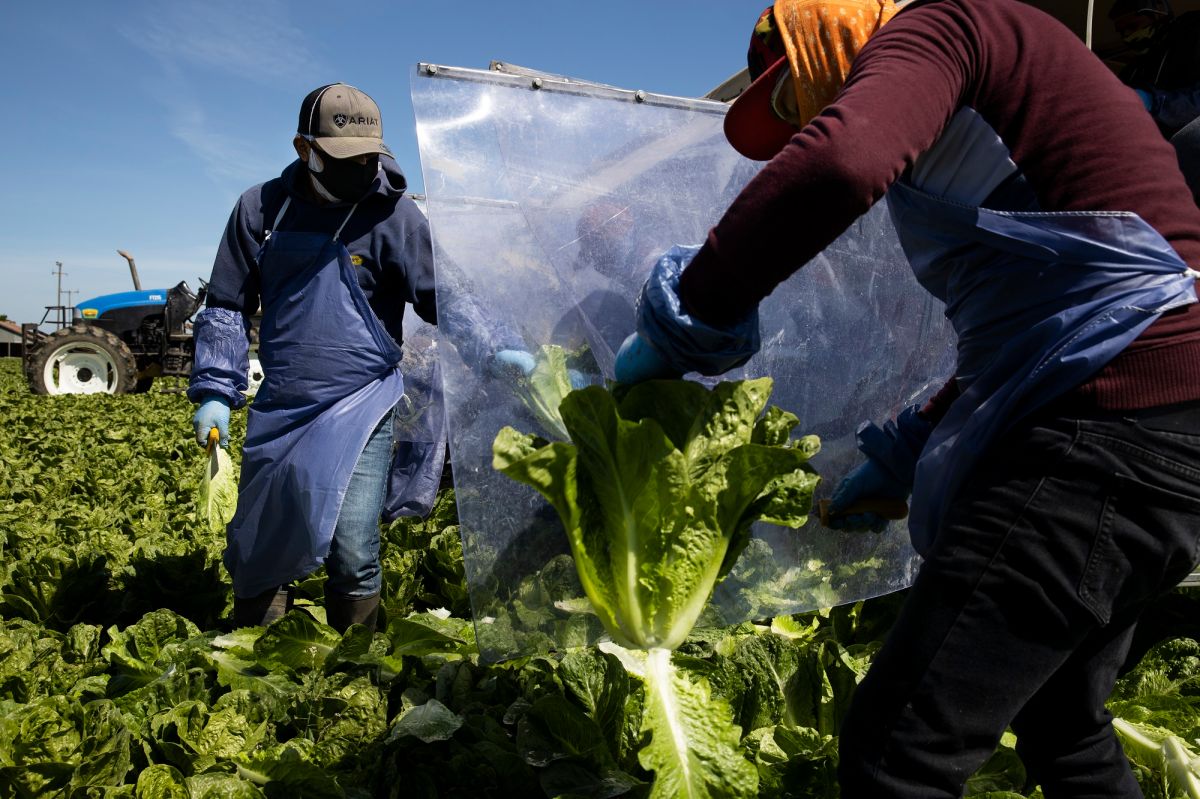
(135, 125)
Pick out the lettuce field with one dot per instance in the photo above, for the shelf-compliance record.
(120, 675)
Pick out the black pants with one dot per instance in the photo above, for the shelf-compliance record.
(1024, 609)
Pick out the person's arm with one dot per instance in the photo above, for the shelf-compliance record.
(416, 257)
(221, 330)
(477, 335)
(904, 87)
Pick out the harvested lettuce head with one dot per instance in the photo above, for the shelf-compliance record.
(657, 492)
(544, 389)
(218, 490)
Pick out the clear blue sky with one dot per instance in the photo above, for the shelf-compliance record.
(135, 124)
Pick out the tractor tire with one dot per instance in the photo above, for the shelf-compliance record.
(83, 359)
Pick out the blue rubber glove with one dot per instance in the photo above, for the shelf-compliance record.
(1146, 97)
(865, 483)
(578, 379)
(213, 412)
(513, 363)
(669, 342)
(637, 360)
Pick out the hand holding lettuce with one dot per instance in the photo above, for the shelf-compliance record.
(670, 342)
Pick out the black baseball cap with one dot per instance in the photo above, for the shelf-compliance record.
(343, 121)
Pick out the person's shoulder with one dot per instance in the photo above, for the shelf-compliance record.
(980, 25)
(260, 200)
(259, 193)
(402, 211)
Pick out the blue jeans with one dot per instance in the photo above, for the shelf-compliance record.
(1024, 611)
(353, 562)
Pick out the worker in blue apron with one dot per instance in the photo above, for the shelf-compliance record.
(1055, 480)
(332, 251)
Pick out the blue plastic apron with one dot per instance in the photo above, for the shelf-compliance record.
(331, 376)
(1040, 302)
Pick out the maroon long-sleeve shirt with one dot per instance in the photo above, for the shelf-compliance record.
(1081, 139)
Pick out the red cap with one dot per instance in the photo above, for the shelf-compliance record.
(751, 124)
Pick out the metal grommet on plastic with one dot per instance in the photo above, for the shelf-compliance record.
(639, 96)
(537, 83)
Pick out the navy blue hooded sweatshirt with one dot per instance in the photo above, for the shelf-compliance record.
(387, 236)
(389, 243)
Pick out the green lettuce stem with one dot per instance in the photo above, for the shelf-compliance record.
(660, 684)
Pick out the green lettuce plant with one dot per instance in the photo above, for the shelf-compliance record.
(657, 491)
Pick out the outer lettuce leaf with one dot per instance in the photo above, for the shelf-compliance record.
(693, 750)
(297, 642)
(162, 781)
(1163, 753)
(429, 722)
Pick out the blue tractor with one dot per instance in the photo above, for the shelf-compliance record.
(119, 343)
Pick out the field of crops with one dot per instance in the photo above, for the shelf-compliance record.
(119, 676)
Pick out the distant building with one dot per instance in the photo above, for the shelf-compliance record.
(10, 340)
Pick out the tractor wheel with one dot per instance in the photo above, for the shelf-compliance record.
(83, 360)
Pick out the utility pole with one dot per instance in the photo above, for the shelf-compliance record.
(62, 320)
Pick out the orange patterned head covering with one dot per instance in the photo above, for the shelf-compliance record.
(819, 40)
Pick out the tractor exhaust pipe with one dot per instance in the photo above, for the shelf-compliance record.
(137, 283)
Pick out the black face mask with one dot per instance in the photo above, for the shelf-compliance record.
(344, 178)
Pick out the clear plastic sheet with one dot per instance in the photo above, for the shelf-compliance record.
(419, 425)
(548, 205)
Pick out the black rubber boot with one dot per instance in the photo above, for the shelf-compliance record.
(261, 610)
(342, 611)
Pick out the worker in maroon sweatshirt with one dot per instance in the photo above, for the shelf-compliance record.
(1054, 483)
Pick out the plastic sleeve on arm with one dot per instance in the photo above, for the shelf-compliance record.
(222, 356)
(686, 342)
(896, 446)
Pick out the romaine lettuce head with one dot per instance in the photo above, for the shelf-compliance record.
(657, 492)
(219, 490)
